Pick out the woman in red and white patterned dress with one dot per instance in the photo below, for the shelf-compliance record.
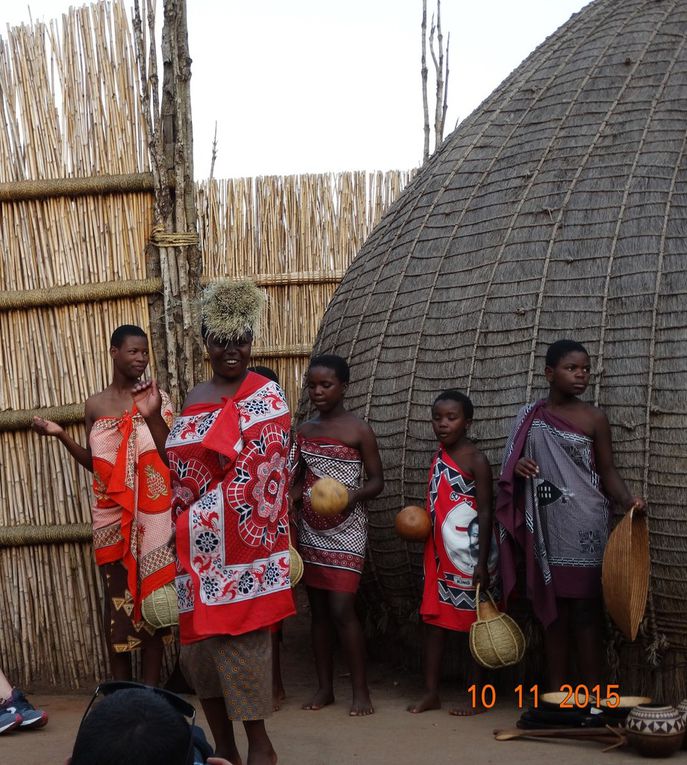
(228, 455)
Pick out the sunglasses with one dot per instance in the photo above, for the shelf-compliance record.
(181, 705)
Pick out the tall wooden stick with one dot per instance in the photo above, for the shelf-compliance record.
(173, 252)
(423, 73)
(438, 59)
(441, 71)
(213, 157)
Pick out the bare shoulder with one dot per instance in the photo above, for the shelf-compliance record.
(597, 417)
(361, 431)
(196, 395)
(96, 405)
(354, 421)
(478, 460)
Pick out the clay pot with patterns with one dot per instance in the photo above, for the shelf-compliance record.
(655, 730)
(682, 709)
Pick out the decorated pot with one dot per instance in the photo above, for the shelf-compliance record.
(655, 730)
(682, 709)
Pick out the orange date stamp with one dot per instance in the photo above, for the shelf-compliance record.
(571, 696)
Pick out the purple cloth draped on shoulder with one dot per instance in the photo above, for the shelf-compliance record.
(558, 521)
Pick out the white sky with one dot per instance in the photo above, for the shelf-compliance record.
(300, 86)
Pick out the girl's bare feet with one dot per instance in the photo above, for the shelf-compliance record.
(322, 698)
(278, 695)
(466, 709)
(361, 705)
(429, 701)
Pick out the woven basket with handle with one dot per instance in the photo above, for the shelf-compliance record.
(495, 639)
(625, 572)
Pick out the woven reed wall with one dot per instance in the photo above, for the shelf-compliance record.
(71, 109)
(295, 236)
(558, 208)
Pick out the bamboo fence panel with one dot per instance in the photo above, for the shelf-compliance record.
(70, 105)
(309, 226)
(70, 109)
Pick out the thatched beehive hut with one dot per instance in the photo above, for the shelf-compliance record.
(558, 208)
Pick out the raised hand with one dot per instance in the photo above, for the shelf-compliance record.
(146, 396)
(46, 427)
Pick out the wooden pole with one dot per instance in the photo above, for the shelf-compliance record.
(126, 183)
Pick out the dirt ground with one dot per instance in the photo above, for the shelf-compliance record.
(391, 736)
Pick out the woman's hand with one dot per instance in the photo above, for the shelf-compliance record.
(146, 396)
(481, 577)
(526, 468)
(46, 427)
(353, 499)
(638, 504)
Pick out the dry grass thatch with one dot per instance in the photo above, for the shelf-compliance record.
(556, 209)
(73, 268)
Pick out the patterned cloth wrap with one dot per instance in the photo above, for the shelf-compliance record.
(230, 478)
(451, 551)
(125, 634)
(558, 520)
(132, 519)
(332, 547)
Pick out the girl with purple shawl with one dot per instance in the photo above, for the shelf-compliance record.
(552, 511)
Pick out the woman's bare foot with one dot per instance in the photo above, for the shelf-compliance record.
(278, 695)
(428, 701)
(466, 709)
(231, 755)
(322, 698)
(362, 704)
(262, 757)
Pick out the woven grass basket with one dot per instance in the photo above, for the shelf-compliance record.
(160, 608)
(296, 566)
(495, 639)
(625, 572)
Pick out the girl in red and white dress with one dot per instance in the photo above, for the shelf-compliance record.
(460, 553)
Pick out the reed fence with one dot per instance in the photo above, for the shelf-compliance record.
(75, 219)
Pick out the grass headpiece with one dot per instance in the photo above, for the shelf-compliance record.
(230, 309)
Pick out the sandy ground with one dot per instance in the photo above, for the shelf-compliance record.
(391, 736)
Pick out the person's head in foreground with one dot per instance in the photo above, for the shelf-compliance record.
(136, 726)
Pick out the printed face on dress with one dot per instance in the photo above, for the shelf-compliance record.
(473, 538)
(324, 388)
(449, 421)
(230, 358)
(571, 375)
(132, 357)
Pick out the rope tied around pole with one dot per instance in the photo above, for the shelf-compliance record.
(161, 238)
